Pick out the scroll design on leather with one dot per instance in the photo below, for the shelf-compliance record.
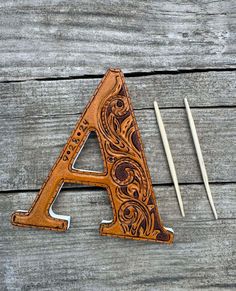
(126, 175)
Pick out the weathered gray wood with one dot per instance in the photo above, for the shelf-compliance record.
(61, 38)
(30, 146)
(40, 98)
(202, 256)
(47, 39)
(71, 201)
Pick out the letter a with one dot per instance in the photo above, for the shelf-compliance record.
(126, 176)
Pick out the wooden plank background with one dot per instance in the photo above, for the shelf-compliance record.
(52, 56)
(41, 39)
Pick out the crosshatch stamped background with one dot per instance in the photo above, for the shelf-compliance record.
(52, 56)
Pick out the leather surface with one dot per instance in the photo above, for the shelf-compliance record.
(126, 176)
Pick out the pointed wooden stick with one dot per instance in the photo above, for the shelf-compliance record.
(200, 157)
(169, 156)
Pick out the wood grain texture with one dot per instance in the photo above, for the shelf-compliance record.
(30, 146)
(202, 256)
(59, 97)
(63, 39)
(41, 39)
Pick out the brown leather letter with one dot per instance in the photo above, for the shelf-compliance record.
(126, 176)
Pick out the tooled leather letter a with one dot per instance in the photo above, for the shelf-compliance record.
(126, 176)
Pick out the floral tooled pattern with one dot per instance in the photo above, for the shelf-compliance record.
(129, 175)
(117, 125)
(137, 213)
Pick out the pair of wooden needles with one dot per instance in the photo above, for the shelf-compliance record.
(170, 159)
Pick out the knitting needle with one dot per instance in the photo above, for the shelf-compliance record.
(169, 156)
(200, 157)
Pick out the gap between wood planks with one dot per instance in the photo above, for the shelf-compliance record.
(81, 187)
(97, 196)
(131, 75)
(127, 75)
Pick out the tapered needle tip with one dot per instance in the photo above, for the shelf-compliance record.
(169, 156)
(200, 156)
